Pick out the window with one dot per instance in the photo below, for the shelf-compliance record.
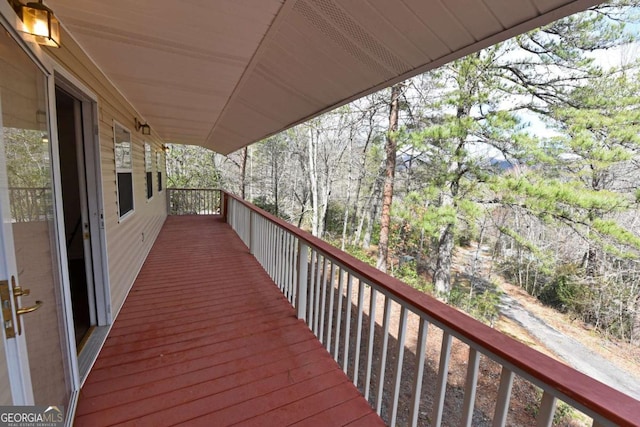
(159, 169)
(148, 168)
(124, 169)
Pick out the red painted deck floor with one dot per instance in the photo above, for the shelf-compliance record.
(206, 338)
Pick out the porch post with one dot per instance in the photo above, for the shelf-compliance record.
(301, 294)
(224, 200)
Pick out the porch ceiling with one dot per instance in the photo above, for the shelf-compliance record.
(226, 73)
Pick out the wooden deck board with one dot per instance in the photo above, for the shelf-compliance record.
(206, 338)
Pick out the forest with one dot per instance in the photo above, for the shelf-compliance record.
(525, 153)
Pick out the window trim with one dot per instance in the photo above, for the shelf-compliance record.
(148, 171)
(124, 170)
(159, 168)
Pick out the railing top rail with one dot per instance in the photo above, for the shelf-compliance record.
(584, 390)
(193, 189)
(29, 188)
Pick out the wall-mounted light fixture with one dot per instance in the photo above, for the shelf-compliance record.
(39, 22)
(144, 128)
(166, 148)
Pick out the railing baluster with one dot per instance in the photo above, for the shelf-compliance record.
(504, 395)
(265, 247)
(347, 322)
(284, 262)
(421, 348)
(287, 266)
(261, 237)
(331, 301)
(441, 385)
(287, 263)
(547, 410)
(294, 290)
(272, 256)
(267, 253)
(312, 280)
(281, 241)
(339, 314)
(255, 227)
(279, 257)
(470, 387)
(292, 261)
(276, 258)
(356, 354)
(303, 270)
(316, 319)
(253, 230)
(372, 332)
(323, 304)
(402, 333)
(382, 366)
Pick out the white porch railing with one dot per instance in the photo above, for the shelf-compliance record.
(30, 204)
(193, 201)
(340, 298)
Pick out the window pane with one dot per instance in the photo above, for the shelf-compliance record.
(148, 165)
(125, 193)
(122, 147)
(159, 169)
(149, 185)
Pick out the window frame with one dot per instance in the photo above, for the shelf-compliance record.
(123, 169)
(148, 170)
(159, 171)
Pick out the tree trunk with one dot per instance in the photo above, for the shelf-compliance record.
(313, 181)
(357, 206)
(244, 172)
(372, 214)
(635, 328)
(345, 220)
(324, 207)
(390, 149)
(444, 250)
(442, 274)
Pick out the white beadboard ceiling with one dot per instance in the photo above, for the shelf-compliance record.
(226, 73)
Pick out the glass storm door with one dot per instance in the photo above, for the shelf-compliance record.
(29, 246)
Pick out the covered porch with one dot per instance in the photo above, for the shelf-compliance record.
(239, 317)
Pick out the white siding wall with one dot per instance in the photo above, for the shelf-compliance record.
(129, 240)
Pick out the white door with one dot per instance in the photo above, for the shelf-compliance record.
(35, 333)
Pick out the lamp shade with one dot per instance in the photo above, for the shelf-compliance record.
(41, 23)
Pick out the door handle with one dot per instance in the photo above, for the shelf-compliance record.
(5, 303)
(18, 291)
(24, 310)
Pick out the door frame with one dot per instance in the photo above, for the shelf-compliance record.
(16, 349)
(93, 186)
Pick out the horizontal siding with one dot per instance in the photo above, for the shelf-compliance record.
(129, 240)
